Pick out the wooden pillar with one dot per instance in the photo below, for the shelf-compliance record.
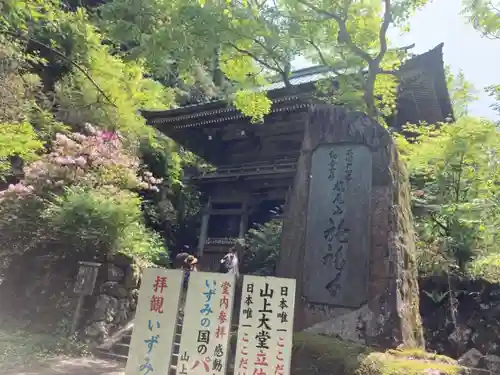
(244, 218)
(204, 227)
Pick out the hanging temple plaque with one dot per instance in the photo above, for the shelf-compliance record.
(338, 226)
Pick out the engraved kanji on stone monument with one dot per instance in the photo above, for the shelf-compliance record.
(338, 225)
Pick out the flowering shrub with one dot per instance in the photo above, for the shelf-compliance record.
(93, 160)
(79, 198)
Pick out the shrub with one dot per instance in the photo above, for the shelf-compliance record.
(101, 221)
(486, 267)
(80, 200)
(262, 249)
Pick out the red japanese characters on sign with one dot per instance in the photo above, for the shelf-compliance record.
(156, 304)
(280, 365)
(223, 325)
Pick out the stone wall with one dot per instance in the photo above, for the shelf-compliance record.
(476, 335)
(114, 301)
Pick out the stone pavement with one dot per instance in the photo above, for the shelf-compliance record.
(73, 366)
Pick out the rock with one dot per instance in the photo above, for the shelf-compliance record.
(121, 260)
(491, 362)
(485, 338)
(471, 358)
(133, 295)
(114, 273)
(332, 356)
(113, 289)
(105, 308)
(460, 336)
(122, 315)
(132, 277)
(96, 330)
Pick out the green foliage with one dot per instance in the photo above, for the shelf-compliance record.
(455, 176)
(252, 41)
(102, 221)
(494, 92)
(462, 92)
(123, 83)
(19, 140)
(175, 210)
(262, 247)
(80, 197)
(486, 267)
(484, 16)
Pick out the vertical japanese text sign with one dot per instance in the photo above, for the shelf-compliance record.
(207, 324)
(265, 329)
(155, 322)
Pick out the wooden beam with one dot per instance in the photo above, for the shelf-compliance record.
(204, 228)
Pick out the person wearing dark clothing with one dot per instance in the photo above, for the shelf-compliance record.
(187, 263)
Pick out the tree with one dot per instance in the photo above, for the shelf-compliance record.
(455, 174)
(251, 40)
(262, 248)
(462, 92)
(484, 15)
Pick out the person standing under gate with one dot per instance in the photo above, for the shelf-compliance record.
(229, 263)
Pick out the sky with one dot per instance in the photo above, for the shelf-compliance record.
(464, 48)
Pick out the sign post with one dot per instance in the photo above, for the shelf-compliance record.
(84, 286)
(265, 330)
(155, 322)
(207, 318)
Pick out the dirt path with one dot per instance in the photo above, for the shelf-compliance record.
(73, 366)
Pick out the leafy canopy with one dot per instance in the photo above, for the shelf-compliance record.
(484, 15)
(251, 41)
(455, 173)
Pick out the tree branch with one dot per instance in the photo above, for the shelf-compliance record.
(322, 57)
(344, 36)
(64, 57)
(383, 32)
(439, 224)
(283, 73)
(261, 62)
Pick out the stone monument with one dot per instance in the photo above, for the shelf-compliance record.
(348, 236)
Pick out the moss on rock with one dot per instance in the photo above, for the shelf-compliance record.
(323, 355)
(388, 364)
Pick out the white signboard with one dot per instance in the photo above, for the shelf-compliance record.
(266, 326)
(155, 322)
(207, 324)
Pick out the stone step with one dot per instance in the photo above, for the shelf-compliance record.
(119, 350)
(126, 339)
(106, 354)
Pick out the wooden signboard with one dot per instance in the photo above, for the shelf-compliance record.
(265, 330)
(207, 324)
(155, 322)
(86, 278)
